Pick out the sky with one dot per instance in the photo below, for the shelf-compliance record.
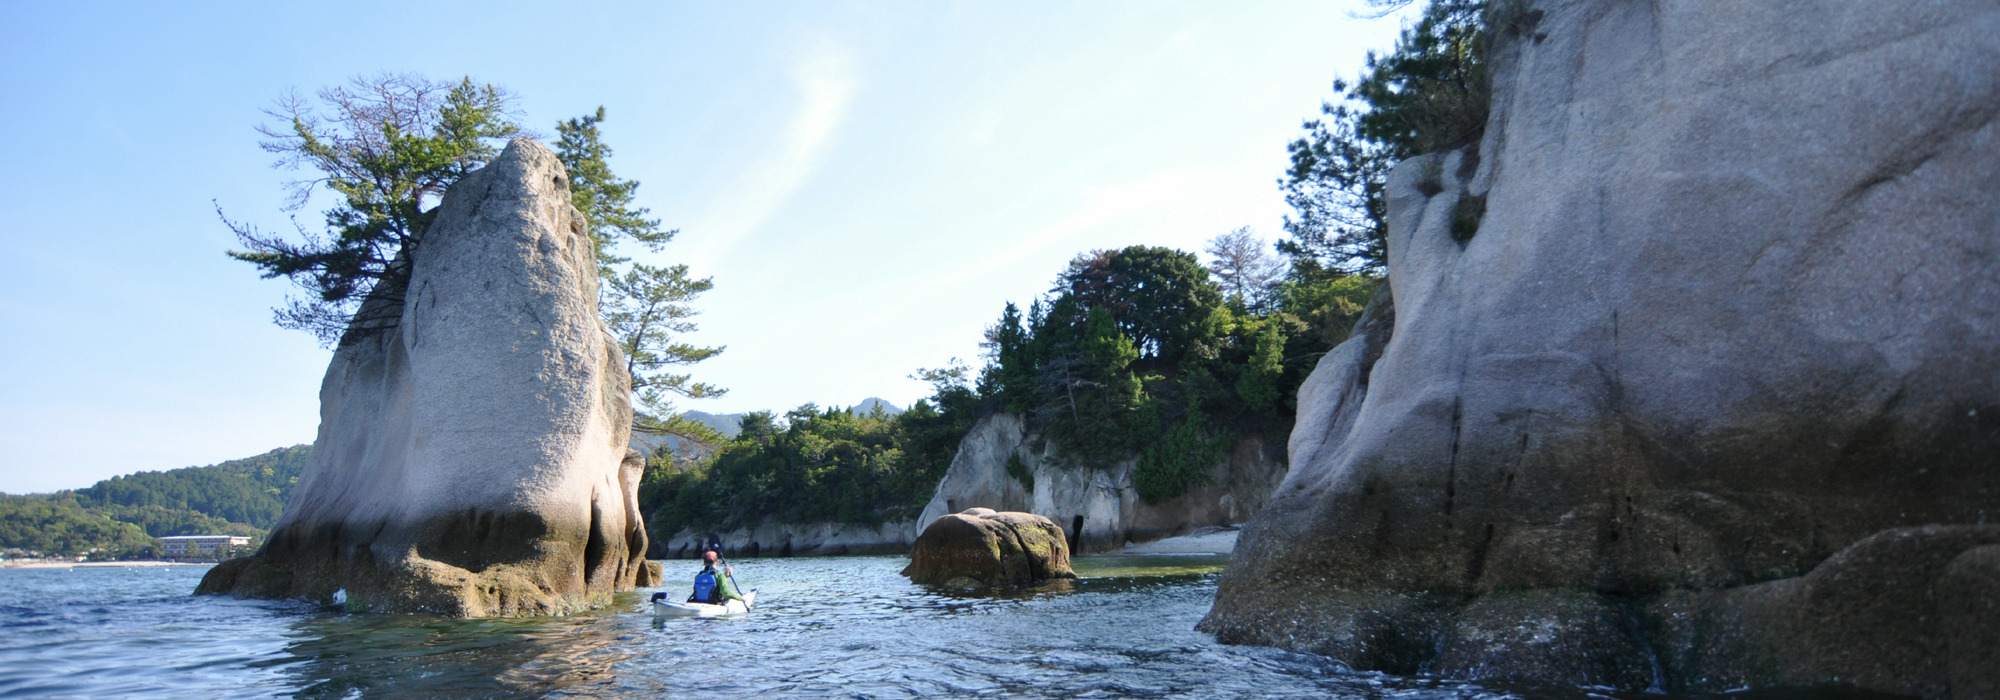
(868, 184)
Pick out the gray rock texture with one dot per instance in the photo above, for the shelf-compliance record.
(1731, 315)
(981, 547)
(474, 460)
(1100, 497)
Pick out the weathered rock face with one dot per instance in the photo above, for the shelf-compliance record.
(980, 547)
(473, 461)
(1732, 308)
(1098, 506)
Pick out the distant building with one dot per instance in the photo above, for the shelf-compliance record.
(198, 545)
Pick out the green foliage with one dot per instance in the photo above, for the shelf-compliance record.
(120, 516)
(1142, 358)
(604, 199)
(1020, 472)
(647, 307)
(1326, 306)
(249, 491)
(1158, 298)
(1010, 369)
(817, 465)
(56, 527)
(389, 146)
(1431, 93)
(1261, 378)
(1179, 460)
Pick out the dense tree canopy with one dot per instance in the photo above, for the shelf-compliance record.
(53, 527)
(1211, 369)
(237, 497)
(816, 466)
(1158, 298)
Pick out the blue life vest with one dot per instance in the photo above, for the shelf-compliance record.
(704, 586)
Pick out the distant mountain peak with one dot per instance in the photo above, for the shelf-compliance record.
(869, 404)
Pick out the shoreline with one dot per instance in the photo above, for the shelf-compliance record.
(48, 564)
(1208, 540)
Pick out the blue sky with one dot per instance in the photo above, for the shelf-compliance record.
(868, 183)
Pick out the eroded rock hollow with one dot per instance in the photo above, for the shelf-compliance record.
(1709, 394)
(473, 460)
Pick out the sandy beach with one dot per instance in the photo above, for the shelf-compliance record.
(1208, 540)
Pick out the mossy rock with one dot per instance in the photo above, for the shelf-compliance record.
(980, 546)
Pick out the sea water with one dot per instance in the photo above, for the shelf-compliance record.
(823, 627)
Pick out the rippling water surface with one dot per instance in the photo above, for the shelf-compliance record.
(844, 627)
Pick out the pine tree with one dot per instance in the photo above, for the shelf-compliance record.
(389, 147)
(647, 307)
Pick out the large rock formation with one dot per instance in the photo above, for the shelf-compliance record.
(1096, 504)
(980, 547)
(473, 460)
(1716, 374)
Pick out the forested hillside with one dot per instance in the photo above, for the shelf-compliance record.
(817, 465)
(120, 516)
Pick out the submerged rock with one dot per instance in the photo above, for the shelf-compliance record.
(981, 547)
(473, 460)
(1723, 323)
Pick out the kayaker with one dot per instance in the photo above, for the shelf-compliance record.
(712, 587)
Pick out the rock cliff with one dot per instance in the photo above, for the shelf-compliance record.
(1096, 506)
(1710, 397)
(473, 461)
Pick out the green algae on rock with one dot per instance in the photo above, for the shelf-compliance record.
(980, 547)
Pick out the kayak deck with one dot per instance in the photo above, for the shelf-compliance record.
(665, 608)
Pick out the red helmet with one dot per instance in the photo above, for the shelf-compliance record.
(709, 555)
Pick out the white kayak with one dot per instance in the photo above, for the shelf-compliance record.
(665, 608)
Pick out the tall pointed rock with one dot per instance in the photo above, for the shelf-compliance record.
(473, 460)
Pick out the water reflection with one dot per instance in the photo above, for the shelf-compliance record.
(417, 656)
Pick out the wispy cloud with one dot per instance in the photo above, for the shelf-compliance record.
(825, 78)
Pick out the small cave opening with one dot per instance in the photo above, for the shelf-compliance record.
(595, 547)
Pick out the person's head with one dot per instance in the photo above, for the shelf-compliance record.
(709, 556)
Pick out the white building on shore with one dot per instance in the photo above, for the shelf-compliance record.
(198, 545)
